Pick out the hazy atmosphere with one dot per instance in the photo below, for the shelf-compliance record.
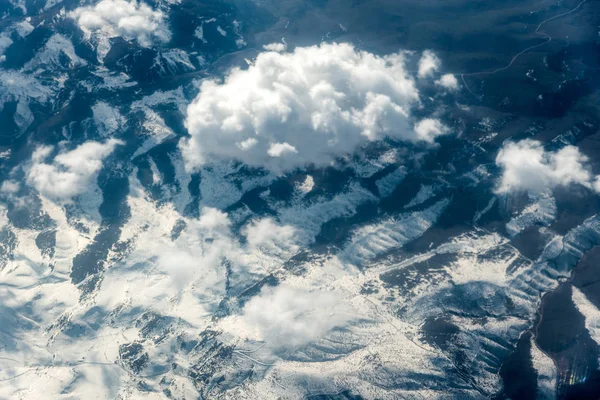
(300, 199)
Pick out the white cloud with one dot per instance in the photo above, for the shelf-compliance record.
(527, 166)
(307, 185)
(10, 187)
(129, 19)
(267, 233)
(281, 149)
(448, 81)
(204, 258)
(247, 144)
(214, 221)
(180, 265)
(70, 172)
(596, 184)
(428, 64)
(187, 263)
(428, 129)
(308, 106)
(278, 47)
(286, 317)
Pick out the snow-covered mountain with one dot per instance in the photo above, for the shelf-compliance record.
(207, 199)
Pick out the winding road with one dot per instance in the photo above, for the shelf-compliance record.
(547, 38)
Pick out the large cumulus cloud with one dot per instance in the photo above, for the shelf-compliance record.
(527, 166)
(71, 172)
(128, 19)
(308, 106)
